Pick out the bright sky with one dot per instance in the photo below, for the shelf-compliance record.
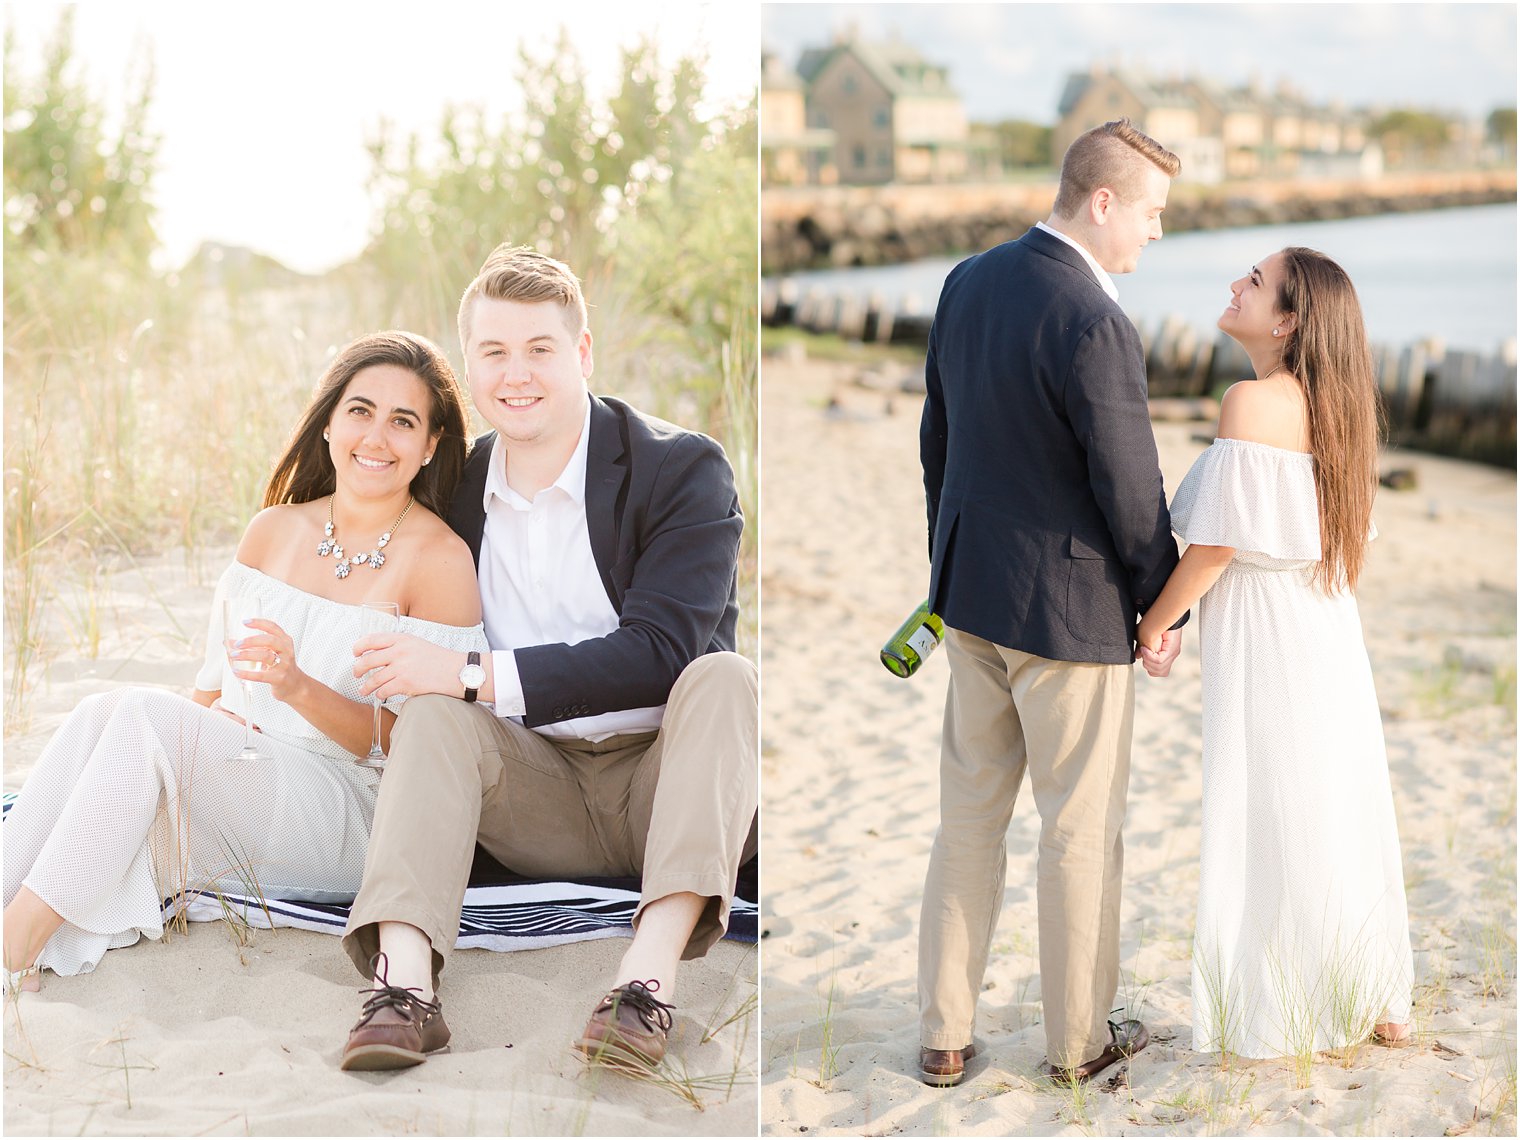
(263, 109)
(1011, 60)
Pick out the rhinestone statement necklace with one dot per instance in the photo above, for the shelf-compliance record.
(374, 559)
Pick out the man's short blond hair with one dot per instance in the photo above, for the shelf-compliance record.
(521, 273)
(1113, 155)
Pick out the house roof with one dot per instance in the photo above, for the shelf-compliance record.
(897, 66)
(1150, 93)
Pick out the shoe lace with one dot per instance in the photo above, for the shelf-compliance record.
(395, 997)
(639, 997)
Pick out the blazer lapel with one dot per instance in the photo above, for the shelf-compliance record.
(606, 477)
(467, 511)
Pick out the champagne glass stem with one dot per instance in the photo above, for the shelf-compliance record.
(374, 742)
(378, 617)
(248, 717)
(236, 613)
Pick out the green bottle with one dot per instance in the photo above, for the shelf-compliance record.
(914, 640)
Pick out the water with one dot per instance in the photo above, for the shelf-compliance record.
(1444, 273)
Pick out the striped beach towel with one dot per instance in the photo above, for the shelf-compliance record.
(513, 914)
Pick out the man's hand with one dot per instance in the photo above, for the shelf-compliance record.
(404, 663)
(1158, 663)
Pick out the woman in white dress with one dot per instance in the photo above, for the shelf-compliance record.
(138, 798)
(1302, 938)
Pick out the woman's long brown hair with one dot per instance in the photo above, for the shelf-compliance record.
(305, 472)
(1328, 352)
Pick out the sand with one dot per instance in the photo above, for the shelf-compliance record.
(201, 1035)
(850, 767)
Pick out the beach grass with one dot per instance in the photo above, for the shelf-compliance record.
(1220, 1103)
(1133, 989)
(115, 1048)
(1077, 1099)
(828, 1045)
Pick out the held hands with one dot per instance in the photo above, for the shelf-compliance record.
(271, 659)
(406, 664)
(1157, 650)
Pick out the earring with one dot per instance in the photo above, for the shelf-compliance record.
(1277, 332)
(428, 460)
(325, 437)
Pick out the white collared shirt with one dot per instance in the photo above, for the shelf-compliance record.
(539, 585)
(1105, 282)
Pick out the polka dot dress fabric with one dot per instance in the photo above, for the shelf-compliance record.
(1302, 936)
(136, 799)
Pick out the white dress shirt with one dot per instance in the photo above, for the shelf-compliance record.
(1105, 282)
(539, 585)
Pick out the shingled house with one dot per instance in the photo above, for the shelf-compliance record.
(894, 116)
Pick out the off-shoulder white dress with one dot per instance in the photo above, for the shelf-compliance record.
(135, 799)
(1302, 938)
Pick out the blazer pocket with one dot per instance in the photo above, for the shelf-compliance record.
(1095, 595)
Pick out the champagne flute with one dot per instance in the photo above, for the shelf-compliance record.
(378, 617)
(236, 611)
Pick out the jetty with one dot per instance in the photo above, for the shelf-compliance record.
(814, 227)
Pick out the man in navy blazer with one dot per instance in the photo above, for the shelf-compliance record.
(1048, 534)
(611, 730)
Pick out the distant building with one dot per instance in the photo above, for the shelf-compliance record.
(1167, 111)
(1219, 133)
(791, 152)
(1236, 120)
(893, 115)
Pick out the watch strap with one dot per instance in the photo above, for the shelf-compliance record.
(473, 658)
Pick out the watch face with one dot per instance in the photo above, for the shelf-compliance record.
(472, 676)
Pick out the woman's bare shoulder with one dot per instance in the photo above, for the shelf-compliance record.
(272, 531)
(1270, 411)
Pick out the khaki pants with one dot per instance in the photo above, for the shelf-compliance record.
(1069, 725)
(676, 807)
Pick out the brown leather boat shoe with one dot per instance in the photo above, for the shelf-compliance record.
(629, 1027)
(1129, 1037)
(943, 1068)
(396, 1028)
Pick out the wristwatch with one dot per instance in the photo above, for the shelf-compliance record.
(472, 676)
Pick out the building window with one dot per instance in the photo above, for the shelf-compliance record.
(882, 118)
(859, 157)
(884, 159)
(849, 86)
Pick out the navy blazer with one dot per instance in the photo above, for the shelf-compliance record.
(1048, 527)
(664, 523)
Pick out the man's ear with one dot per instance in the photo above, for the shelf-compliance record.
(584, 348)
(1098, 206)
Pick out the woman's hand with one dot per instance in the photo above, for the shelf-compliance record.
(1148, 636)
(272, 651)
